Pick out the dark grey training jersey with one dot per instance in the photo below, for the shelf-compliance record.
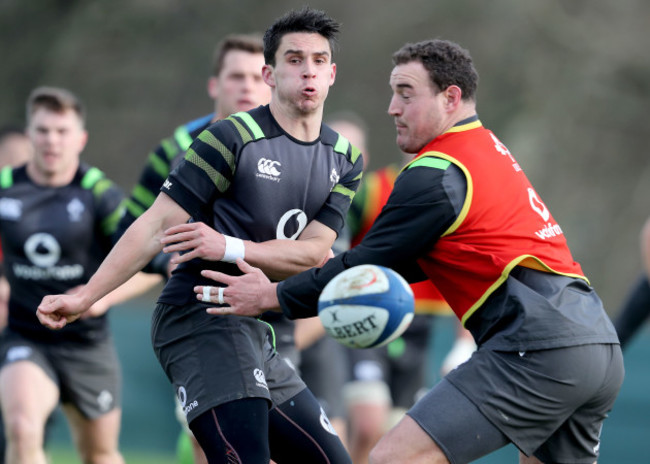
(54, 239)
(248, 178)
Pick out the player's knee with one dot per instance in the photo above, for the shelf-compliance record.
(24, 431)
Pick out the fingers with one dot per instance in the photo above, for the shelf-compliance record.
(210, 294)
(244, 266)
(219, 276)
(187, 227)
(49, 304)
(53, 321)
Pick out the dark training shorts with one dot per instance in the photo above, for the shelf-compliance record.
(549, 403)
(211, 360)
(88, 374)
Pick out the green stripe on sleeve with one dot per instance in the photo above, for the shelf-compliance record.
(170, 147)
(91, 177)
(110, 222)
(6, 177)
(215, 176)
(101, 186)
(429, 162)
(134, 209)
(342, 145)
(255, 129)
(355, 154)
(143, 195)
(160, 166)
(183, 138)
(343, 191)
(209, 139)
(243, 133)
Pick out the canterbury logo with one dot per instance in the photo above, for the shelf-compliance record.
(268, 167)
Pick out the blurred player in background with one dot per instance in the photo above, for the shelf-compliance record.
(57, 218)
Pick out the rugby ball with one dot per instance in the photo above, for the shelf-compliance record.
(366, 306)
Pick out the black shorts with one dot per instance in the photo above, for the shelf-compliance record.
(394, 373)
(88, 374)
(549, 403)
(211, 360)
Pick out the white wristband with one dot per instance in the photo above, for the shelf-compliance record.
(234, 249)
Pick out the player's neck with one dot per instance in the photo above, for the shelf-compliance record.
(47, 178)
(301, 126)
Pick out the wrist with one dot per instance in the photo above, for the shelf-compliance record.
(269, 298)
(234, 249)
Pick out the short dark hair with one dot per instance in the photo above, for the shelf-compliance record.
(55, 99)
(304, 20)
(446, 62)
(251, 43)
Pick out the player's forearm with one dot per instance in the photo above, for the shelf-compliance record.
(139, 244)
(279, 259)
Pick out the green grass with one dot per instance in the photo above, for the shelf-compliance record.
(59, 455)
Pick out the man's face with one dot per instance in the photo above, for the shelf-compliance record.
(58, 140)
(416, 107)
(239, 86)
(303, 72)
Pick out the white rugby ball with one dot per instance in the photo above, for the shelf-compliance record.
(366, 306)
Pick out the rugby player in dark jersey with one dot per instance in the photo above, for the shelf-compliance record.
(463, 214)
(275, 185)
(235, 85)
(57, 217)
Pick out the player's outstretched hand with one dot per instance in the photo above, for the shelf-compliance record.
(249, 294)
(55, 311)
(196, 239)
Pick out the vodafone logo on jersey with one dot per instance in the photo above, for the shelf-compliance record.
(537, 205)
(550, 229)
(44, 252)
(269, 169)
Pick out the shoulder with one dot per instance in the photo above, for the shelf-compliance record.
(93, 179)
(427, 176)
(340, 144)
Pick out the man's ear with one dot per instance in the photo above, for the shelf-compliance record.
(268, 75)
(453, 97)
(213, 87)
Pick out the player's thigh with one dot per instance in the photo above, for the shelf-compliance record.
(454, 424)
(407, 443)
(28, 389)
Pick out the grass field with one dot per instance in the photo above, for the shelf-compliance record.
(61, 455)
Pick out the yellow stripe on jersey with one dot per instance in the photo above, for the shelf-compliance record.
(215, 176)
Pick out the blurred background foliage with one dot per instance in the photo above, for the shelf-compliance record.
(564, 84)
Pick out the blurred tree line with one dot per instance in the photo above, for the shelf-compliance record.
(564, 84)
